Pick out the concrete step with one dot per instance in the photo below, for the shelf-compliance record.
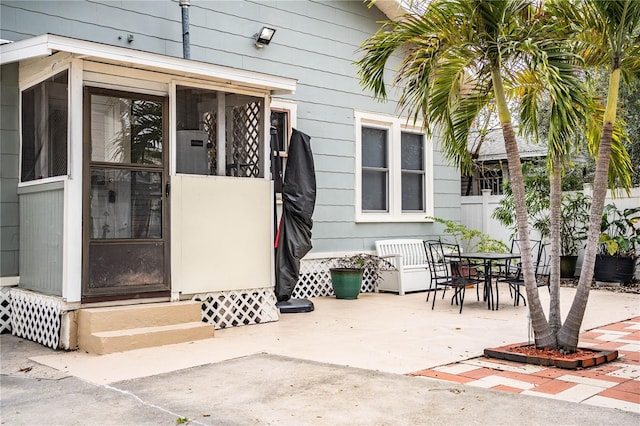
(106, 342)
(92, 320)
(121, 328)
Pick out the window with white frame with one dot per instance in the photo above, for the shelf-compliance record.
(393, 177)
(283, 119)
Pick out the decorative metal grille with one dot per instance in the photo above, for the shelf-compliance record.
(314, 279)
(36, 317)
(5, 309)
(236, 308)
(246, 141)
(491, 179)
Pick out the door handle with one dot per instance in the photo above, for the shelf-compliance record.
(167, 189)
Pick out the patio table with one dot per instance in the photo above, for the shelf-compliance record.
(487, 259)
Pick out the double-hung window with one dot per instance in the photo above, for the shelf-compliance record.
(394, 172)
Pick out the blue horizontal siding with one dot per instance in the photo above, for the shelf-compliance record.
(316, 43)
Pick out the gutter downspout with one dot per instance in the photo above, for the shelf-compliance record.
(186, 48)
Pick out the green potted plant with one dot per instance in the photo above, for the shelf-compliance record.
(620, 232)
(574, 224)
(347, 272)
(470, 240)
(574, 214)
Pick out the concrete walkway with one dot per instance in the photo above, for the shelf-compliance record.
(345, 363)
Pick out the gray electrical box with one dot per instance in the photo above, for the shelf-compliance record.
(192, 152)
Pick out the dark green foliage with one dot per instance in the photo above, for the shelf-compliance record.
(620, 231)
(471, 240)
(574, 215)
(630, 113)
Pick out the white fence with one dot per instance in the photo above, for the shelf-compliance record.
(477, 210)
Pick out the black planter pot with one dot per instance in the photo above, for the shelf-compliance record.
(568, 266)
(617, 269)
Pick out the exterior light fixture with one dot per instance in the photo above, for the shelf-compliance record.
(264, 36)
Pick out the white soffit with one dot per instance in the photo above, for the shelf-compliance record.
(48, 44)
(391, 8)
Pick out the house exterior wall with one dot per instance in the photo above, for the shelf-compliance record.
(9, 161)
(315, 43)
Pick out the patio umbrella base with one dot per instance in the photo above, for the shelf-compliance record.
(293, 306)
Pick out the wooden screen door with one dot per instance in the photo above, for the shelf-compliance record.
(125, 232)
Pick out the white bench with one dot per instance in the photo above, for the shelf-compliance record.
(409, 258)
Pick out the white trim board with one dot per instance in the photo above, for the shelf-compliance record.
(47, 44)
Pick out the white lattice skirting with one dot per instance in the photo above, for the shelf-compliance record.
(5, 309)
(36, 317)
(238, 307)
(243, 307)
(315, 279)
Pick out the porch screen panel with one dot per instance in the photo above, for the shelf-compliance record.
(197, 126)
(126, 204)
(44, 129)
(127, 131)
(126, 265)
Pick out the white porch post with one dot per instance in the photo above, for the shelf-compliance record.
(72, 245)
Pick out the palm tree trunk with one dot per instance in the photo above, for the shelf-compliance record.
(555, 198)
(568, 335)
(542, 332)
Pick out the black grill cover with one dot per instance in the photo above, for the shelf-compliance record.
(293, 239)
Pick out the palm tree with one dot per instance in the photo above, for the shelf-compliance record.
(459, 56)
(608, 34)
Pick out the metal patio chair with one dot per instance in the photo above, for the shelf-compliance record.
(513, 274)
(449, 269)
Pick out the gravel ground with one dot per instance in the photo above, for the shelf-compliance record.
(632, 287)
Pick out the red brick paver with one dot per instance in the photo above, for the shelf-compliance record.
(554, 386)
(617, 381)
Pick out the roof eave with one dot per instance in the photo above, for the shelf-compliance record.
(48, 44)
(391, 8)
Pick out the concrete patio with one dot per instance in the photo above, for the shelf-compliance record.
(296, 370)
(382, 332)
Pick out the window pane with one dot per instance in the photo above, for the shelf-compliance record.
(197, 125)
(126, 130)
(126, 204)
(374, 191)
(278, 140)
(412, 151)
(44, 129)
(412, 192)
(374, 147)
(280, 122)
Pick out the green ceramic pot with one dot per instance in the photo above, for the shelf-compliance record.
(346, 282)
